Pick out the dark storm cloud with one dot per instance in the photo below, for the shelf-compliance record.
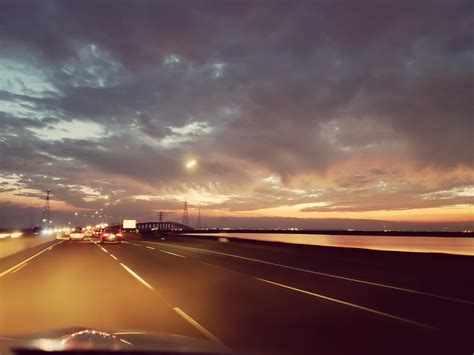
(253, 89)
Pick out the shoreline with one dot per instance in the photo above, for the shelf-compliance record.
(374, 233)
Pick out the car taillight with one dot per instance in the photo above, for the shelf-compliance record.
(106, 234)
(118, 234)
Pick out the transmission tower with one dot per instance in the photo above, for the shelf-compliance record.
(185, 214)
(46, 215)
(198, 224)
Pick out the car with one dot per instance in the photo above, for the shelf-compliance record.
(111, 235)
(88, 233)
(76, 234)
(97, 232)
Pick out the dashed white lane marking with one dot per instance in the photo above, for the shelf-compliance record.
(113, 256)
(126, 242)
(429, 294)
(170, 253)
(370, 310)
(183, 314)
(198, 326)
(136, 276)
(18, 268)
(148, 247)
(104, 250)
(126, 342)
(28, 259)
(204, 263)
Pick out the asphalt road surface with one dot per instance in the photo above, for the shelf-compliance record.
(252, 297)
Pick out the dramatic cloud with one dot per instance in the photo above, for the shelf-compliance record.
(290, 108)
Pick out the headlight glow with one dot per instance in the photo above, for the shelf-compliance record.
(16, 234)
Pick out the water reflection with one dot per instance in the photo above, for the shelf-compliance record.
(447, 245)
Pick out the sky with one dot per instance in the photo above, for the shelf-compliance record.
(322, 112)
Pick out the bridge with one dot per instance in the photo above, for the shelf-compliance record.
(155, 227)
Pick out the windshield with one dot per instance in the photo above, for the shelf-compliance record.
(267, 177)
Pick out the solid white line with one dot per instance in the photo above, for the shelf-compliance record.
(170, 253)
(204, 263)
(458, 300)
(128, 333)
(388, 315)
(28, 259)
(150, 247)
(113, 256)
(198, 326)
(126, 342)
(143, 282)
(18, 268)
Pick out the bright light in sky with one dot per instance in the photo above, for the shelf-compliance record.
(191, 164)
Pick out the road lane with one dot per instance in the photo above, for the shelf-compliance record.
(11, 269)
(19, 267)
(453, 318)
(349, 279)
(349, 304)
(76, 284)
(439, 274)
(163, 287)
(249, 314)
(179, 311)
(10, 261)
(444, 313)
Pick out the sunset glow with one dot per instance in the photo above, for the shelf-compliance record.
(284, 126)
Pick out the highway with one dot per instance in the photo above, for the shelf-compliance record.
(252, 297)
